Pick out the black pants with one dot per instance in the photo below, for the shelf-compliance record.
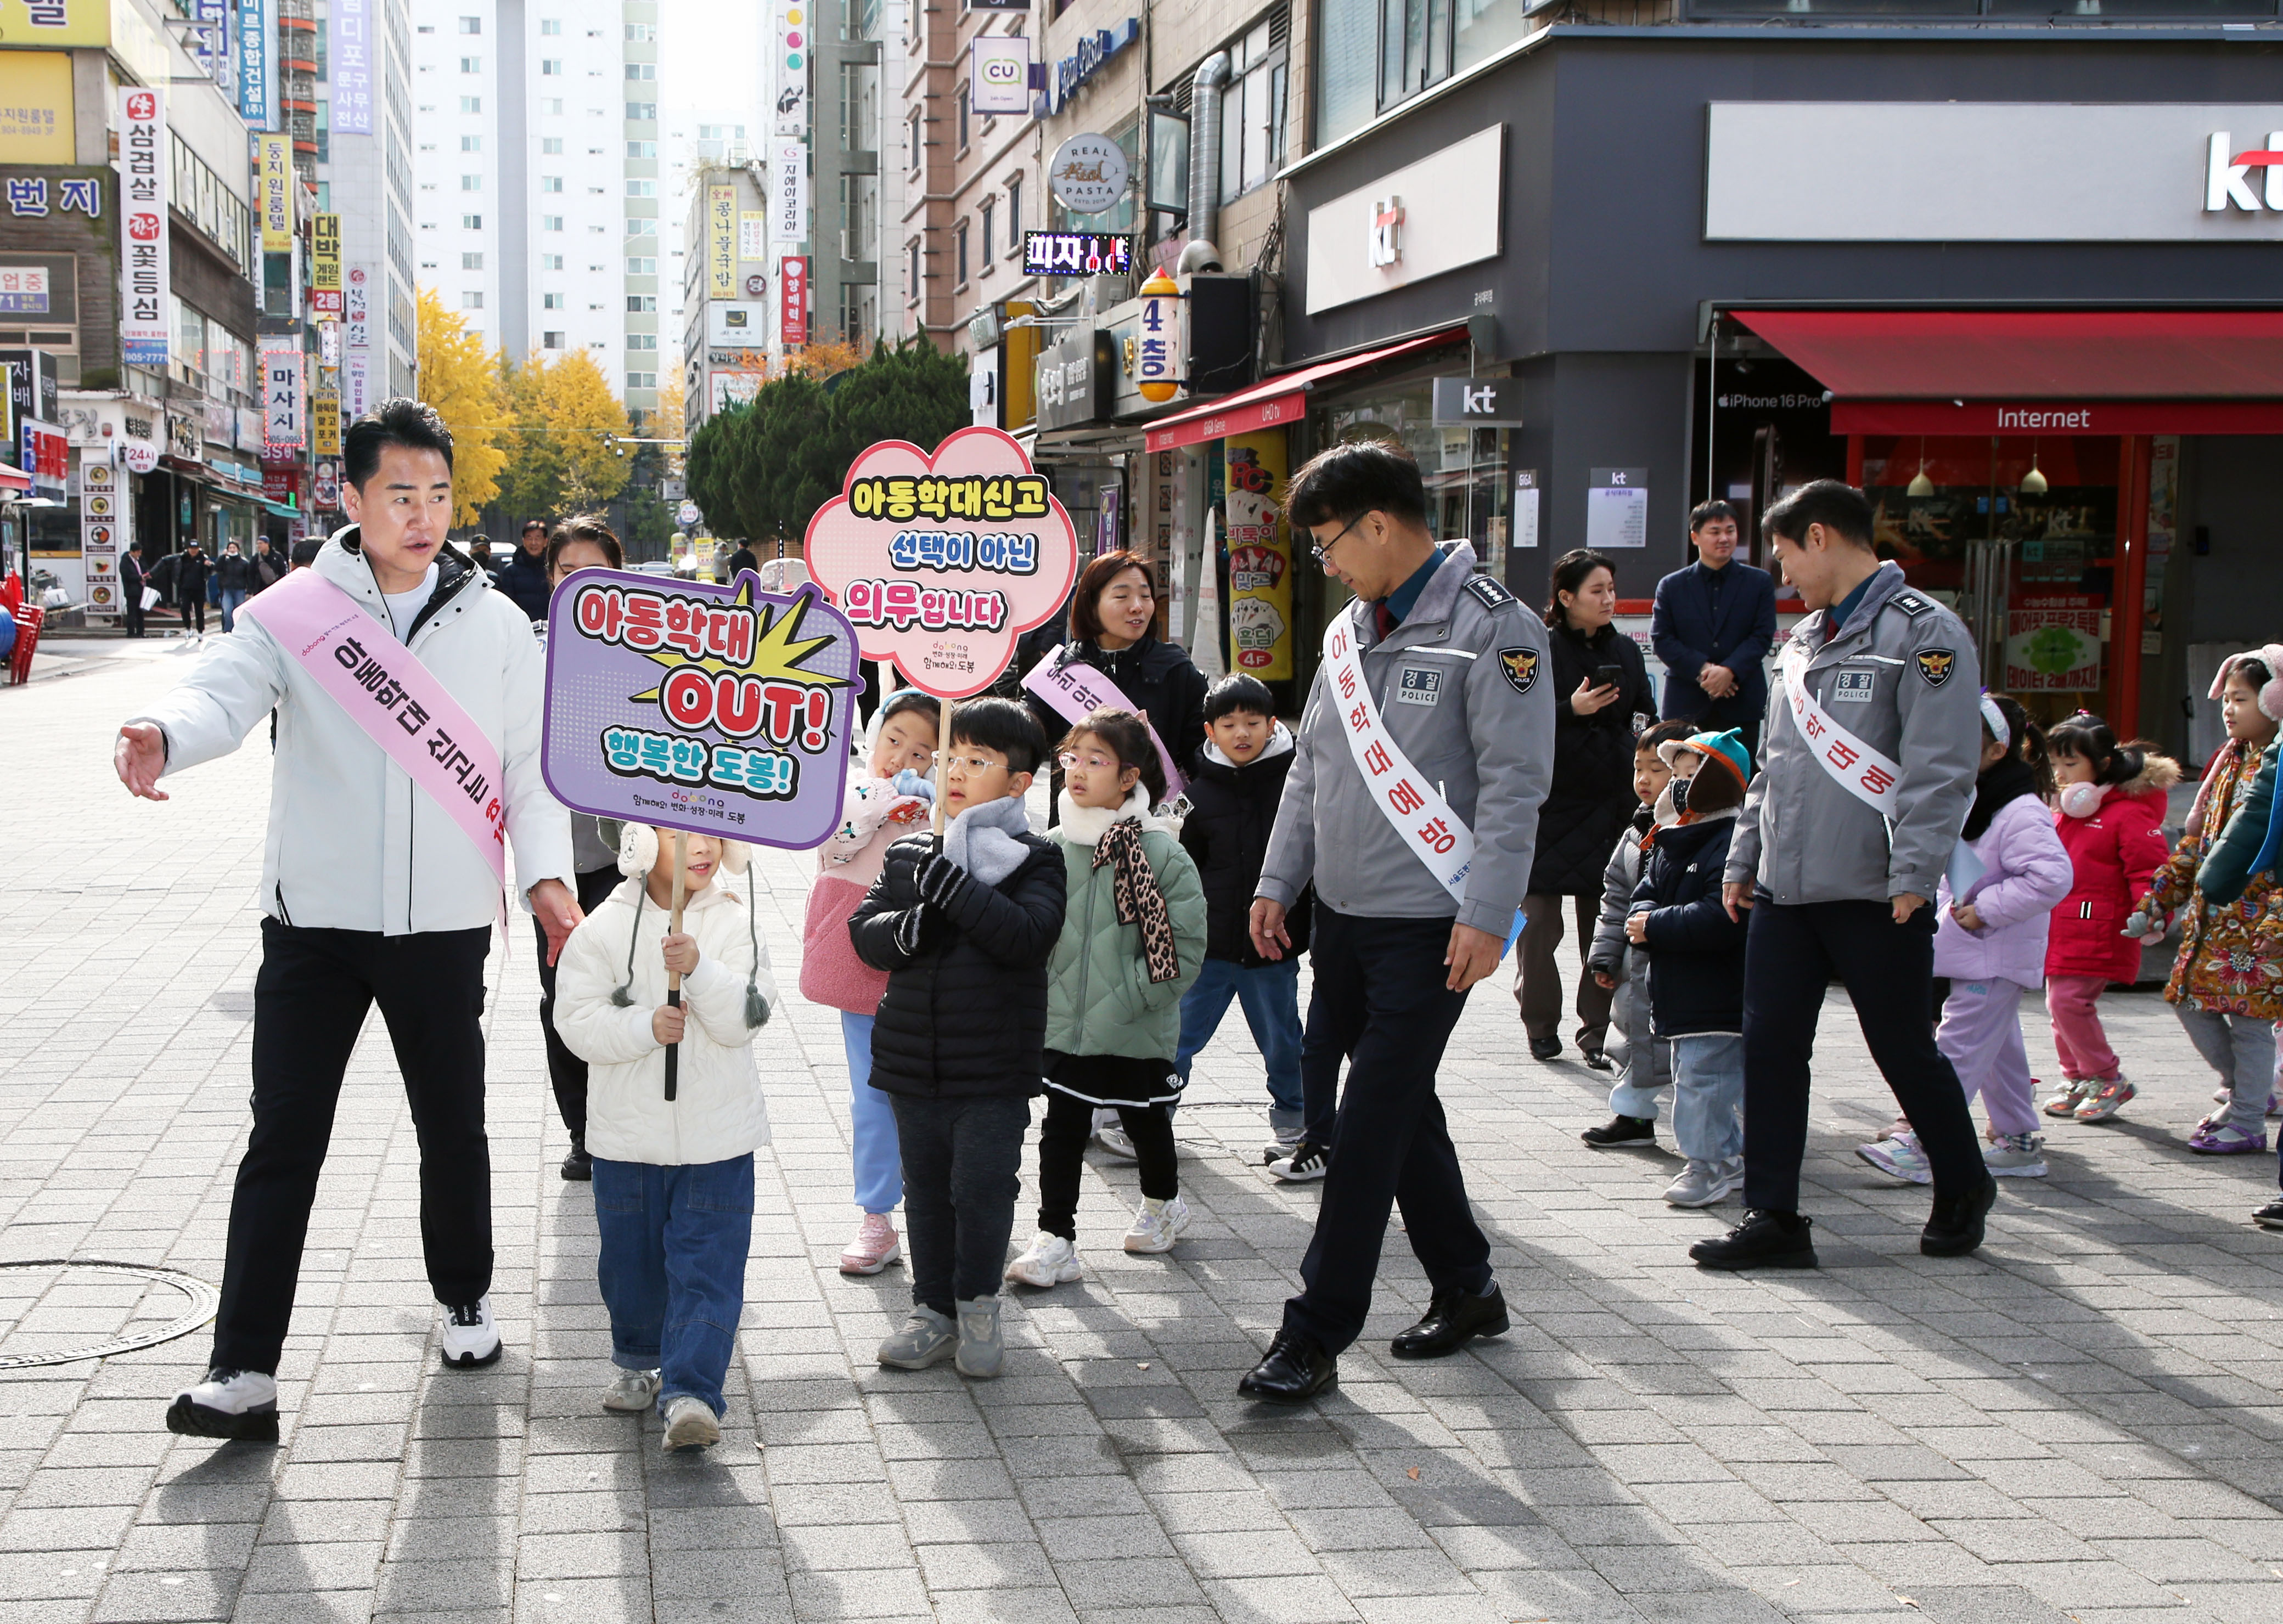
(565, 1070)
(962, 1172)
(1379, 1000)
(132, 597)
(194, 611)
(310, 1002)
(1062, 1154)
(1789, 957)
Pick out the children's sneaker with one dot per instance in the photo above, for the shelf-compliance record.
(1899, 1157)
(982, 1346)
(874, 1247)
(1109, 1133)
(1622, 1130)
(2016, 1155)
(240, 1404)
(471, 1340)
(928, 1338)
(1050, 1261)
(2107, 1100)
(633, 1391)
(1901, 1124)
(1308, 1160)
(691, 1424)
(1158, 1225)
(2073, 1092)
(2223, 1139)
(1702, 1182)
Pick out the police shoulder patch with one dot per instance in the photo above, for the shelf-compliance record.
(1911, 603)
(1490, 592)
(1521, 668)
(1935, 665)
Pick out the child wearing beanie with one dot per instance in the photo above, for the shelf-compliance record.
(1696, 961)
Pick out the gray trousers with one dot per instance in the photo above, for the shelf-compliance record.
(2241, 1049)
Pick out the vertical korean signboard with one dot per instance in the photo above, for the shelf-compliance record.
(352, 65)
(276, 200)
(325, 264)
(789, 192)
(792, 301)
(356, 337)
(102, 524)
(142, 265)
(1259, 555)
(791, 29)
(722, 242)
(281, 398)
(255, 102)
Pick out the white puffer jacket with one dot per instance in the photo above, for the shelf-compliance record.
(717, 1111)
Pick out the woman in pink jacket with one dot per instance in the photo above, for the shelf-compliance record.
(880, 806)
(1994, 906)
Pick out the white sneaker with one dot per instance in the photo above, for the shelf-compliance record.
(2016, 1155)
(471, 1340)
(874, 1247)
(633, 1391)
(1050, 1261)
(1705, 1184)
(1158, 1225)
(241, 1404)
(1899, 1157)
(691, 1424)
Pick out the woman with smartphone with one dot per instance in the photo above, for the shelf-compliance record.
(1602, 695)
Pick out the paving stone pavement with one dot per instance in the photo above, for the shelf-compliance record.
(2080, 1423)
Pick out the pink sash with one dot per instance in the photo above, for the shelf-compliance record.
(395, 699)
(1075, 687)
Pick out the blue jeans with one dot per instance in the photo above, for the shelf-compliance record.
(1707, 1096)
(673, 1268)
(231, 598)
(1270, 997)
(872, 1122)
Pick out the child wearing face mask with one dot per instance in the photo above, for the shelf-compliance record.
(891, 799)
(1133, 941)
(2111, 815)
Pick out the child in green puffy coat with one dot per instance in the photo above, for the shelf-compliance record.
(1133, 941)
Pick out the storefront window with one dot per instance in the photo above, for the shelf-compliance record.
(1469, 497)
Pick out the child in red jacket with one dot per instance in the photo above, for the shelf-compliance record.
(2110, 819)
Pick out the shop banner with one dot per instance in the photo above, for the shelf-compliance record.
(325, 265)
(356, 382)
(276, 194)
(355, 313)
(791, 25)
(209, 46)
(1259, 555)
(352, 65)
(999, 70)
(255, 102)
(143, 267)
(941, 562)
(722, 242)
(792, 301)
(2053, 643)
(721, 710)
(753, 236)
(789, 193)
(38, 112)
(325, 423)
(281, 398)
(103, 526)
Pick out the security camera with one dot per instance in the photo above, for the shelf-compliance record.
(1199, 258)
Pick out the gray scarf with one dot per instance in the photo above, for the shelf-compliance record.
(982, 839)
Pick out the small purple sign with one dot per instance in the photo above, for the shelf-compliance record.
(716, 710)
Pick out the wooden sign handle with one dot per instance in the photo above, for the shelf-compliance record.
(674, 978)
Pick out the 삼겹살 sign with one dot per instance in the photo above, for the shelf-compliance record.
(941, 562)
(720, 711)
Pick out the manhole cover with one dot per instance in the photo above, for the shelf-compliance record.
(56, 1312)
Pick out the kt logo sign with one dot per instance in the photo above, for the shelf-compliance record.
(2227, 179)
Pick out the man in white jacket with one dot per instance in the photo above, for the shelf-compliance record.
(371, 892)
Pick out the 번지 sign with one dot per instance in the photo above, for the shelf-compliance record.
(942, 561)
(721, 710)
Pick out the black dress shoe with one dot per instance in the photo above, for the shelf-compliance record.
(1295, 1372)
(2270, 1217)
(1954, 1227)
(1452, 1319)
(1597, 1060)
(578, 1166)
(1622, 1130)
(1763, 1240)
(1545, 1048)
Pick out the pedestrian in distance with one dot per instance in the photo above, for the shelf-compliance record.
(1697, 964)
(675, 1230)
(269, 566)
(1436, 665)
(233, 581)
(191, 574)
(1713, 625)
(523, 578)
(1852, 818)
(2109, 813)
(1600, 685)
(304, 553)
(131, 580)
(890, 799)
(583, 542)
(1233, 800)
(1646, 1071)
(2226, 985)
(480, 549)
(742, 560)
(1993, 913)
(1132, 943)
(964, 927)
(372, 889)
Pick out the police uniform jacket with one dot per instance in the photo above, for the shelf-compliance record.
(1461, 688)
(1902, 677)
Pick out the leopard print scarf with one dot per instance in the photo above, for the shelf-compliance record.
(1134, 889)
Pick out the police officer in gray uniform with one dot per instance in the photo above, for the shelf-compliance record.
(1452, 662)
(1845, 833)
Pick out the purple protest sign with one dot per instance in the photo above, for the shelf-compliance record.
(716, 709)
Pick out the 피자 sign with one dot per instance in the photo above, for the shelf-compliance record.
(940, 563)
(1076, 254)
(716, 709)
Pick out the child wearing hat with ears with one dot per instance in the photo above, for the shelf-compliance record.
(673, 1177)
(1696, 961)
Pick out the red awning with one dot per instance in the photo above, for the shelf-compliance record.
(1278, 401)
(12, 480)
(2034, 357)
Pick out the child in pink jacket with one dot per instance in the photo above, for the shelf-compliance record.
(879, 808)
(2011, 872)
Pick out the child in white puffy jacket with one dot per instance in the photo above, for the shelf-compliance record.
(672, 1176)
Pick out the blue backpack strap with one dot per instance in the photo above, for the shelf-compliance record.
(2266, 861)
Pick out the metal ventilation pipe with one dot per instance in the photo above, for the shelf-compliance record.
(1204, 146)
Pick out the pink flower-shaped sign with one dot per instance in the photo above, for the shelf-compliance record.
(941, 562)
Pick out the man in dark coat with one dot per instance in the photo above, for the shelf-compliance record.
(130, 584)
(268, 567)
(1712, 626)
(190, 587)
(524, 577)
(743, 559)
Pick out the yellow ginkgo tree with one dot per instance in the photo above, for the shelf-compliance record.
(460, 380)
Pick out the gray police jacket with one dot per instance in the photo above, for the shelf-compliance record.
(1460, 688)
(1902, 676)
